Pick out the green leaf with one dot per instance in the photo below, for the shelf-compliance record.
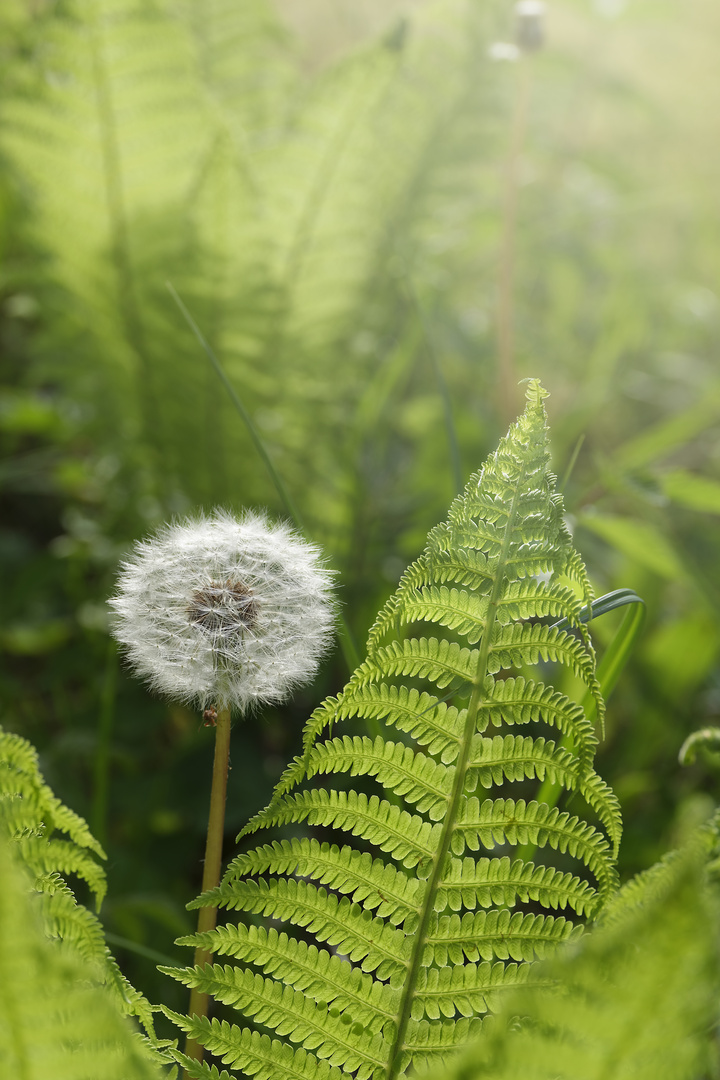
(639, 541)
(693, 491)
(665, 436)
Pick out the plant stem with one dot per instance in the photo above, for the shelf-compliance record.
(207, 916)
(505, 310)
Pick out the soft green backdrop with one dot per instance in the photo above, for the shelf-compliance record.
(380, 229)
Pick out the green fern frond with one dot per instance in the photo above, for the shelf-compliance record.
(30, 817)
(393, 935)
(635, 1000)
(167, 141)
(370, 882)
(31, 813)
(495, 934)
(19, 775)
(55, 1021)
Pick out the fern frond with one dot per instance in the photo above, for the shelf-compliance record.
(343, 925)
(318, 974)
(171, 143)
(409, 837)
(55, 1021)
(427, 1041)
(441, 661)
(496, 822)
(418, 779)
(369, 881)
(256, 1054)
(395, 933)
(494, 934)
(430, 720)
(471, 883)
(519, 701)
(31, 813)
(292, 1013)
(468, 989)
(635, 1000)
(514, 757)
(64, 856)
(20, 775)
(33, 818)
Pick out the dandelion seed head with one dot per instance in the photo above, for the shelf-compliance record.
(529, 31)
(224, 611)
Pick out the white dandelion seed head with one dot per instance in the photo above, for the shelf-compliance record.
(224, 611)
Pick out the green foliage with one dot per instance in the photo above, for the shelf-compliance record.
(412, 928)
(192, 149)
(50, 842)
(335, 227)
(55, 1020)
(635, 1000)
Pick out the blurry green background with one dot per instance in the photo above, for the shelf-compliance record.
(380, 228)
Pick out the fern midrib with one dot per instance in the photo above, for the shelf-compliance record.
(458, 787)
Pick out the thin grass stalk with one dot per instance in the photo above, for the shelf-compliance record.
(347, 641)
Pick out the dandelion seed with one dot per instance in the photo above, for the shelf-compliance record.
(224, 612)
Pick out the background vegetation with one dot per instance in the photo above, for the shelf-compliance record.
(380, 229)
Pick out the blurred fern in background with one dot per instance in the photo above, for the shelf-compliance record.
(334, 213)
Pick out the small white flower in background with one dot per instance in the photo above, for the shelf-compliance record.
(503, 50)
(223, 611)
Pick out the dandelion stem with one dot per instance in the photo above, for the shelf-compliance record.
(207, 916)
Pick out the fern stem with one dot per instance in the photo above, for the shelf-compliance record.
(438, 869)
(207, 916)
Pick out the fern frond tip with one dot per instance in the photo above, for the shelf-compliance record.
(535, 393)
